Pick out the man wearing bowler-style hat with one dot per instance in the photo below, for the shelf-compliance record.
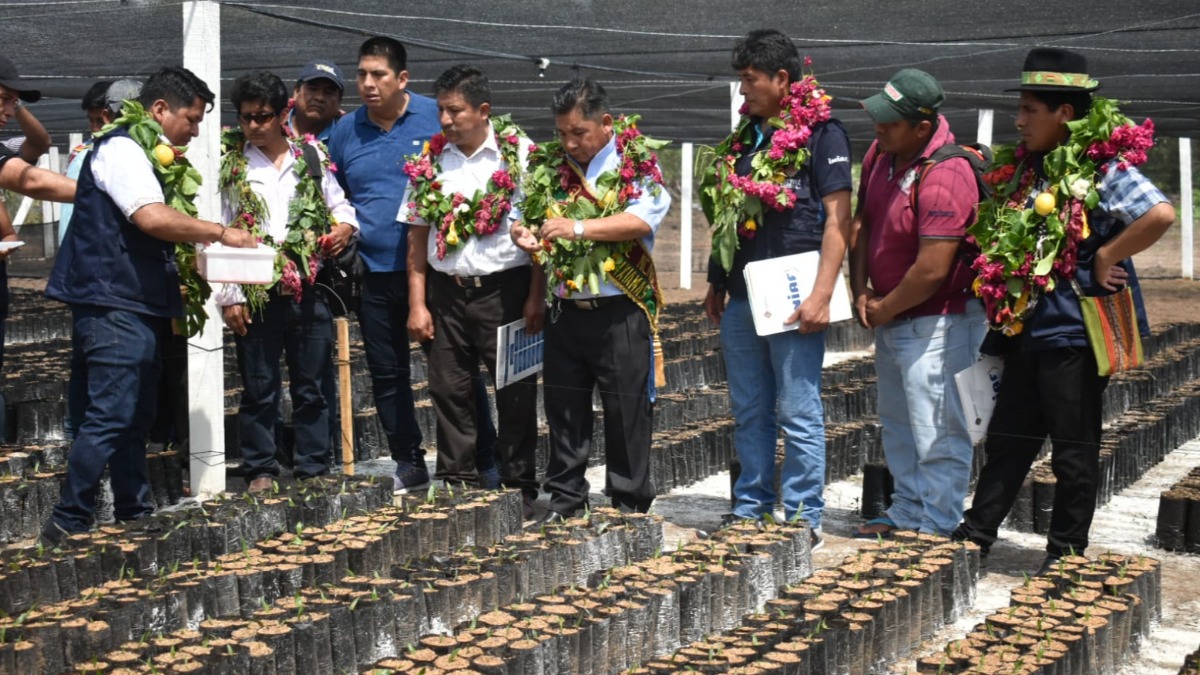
(1051, 384)
(928, 323)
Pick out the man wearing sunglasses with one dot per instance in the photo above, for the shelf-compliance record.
(295, 318)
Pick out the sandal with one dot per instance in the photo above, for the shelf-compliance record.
(876, 528)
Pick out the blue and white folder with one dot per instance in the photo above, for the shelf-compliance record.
(777, 286)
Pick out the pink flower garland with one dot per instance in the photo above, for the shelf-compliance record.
(1128, 144)
(486, 215)
(805, 106)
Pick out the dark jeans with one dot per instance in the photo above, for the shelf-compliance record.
(383, 319)
(465, 323)
(1055, 392)
(608, 347)
(115, 366)
(304, 332)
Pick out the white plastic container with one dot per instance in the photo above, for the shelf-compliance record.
(227, 265)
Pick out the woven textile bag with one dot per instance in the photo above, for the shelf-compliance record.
(1112, 330)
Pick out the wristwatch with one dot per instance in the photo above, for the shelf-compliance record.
(578, 231)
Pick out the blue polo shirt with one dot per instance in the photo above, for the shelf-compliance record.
(370, 163)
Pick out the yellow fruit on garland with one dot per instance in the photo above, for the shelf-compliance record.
(1044, 204)
(165, 154)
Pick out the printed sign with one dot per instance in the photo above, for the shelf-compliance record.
(518, 355)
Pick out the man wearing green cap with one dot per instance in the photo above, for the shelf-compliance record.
(913, 287)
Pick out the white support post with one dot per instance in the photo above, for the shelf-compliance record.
(22, 213)
(685, 218)
(1186, 198)
(45, 162)
(51, 211)
(206, 371)
(735, 104)
(984, 136)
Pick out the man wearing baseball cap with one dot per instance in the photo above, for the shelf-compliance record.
(318, 100)
(33, 141)
(102, 103)
(928, 324)
(15, 171)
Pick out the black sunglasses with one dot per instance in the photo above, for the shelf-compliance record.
(261, 118)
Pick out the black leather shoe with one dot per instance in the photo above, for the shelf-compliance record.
(1048, 565)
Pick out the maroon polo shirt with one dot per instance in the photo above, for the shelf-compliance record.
(947, 200)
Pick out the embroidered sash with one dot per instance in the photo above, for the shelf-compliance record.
(634, 275)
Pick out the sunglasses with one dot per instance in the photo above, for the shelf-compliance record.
(259, 118)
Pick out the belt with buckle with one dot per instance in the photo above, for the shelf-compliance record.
(485, 280)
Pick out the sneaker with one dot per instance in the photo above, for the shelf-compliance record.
(734, 519)
(409, 477)
(489, 479)
(817, 542)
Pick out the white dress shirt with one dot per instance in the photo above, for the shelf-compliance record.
(478, 255)
(276, 187)
(122, 170)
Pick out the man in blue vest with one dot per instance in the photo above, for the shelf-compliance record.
(117, 272)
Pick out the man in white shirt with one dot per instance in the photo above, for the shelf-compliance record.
(597, 339)
(473, 282)
(295, 317)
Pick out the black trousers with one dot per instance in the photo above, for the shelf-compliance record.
(1055, 393)
(303, 332)
(464, 323)
(608, 347)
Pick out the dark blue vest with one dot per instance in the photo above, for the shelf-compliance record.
(107, 261)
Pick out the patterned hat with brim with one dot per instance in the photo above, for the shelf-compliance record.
(1051, 69)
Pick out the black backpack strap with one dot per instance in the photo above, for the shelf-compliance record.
(313, 159)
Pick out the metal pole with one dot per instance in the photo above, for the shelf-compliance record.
(1185, 202)
(206, 366)
(685, 218)
(50, 220)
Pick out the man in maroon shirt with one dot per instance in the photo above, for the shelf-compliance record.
(928, 325)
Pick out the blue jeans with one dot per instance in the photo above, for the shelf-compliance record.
(383, 319)
(925, 437)
(304, 330)
(115, 368)
(775, 385)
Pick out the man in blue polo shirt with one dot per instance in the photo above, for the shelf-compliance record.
(368, 147)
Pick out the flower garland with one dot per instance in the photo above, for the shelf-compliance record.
(552, 191)
(309, 216)
(180, 182)
(457, 216)
(1027, 244)
(735, 204)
